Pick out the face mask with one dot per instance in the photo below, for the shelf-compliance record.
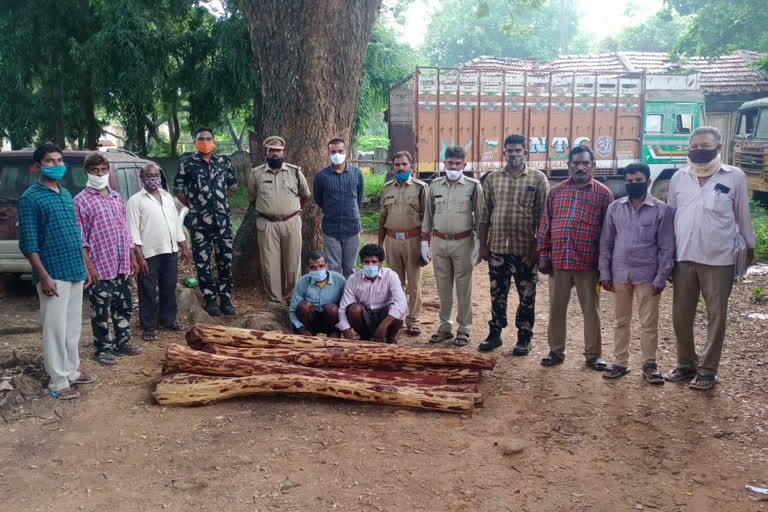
(98, 182)
(637, 190)
(275, 162)
(205, 147)
(318, 275)
(371, 270)
(453, 175)
(515, 161)
(338, 158)
(702, 156)
(55, 172)
(152, 182)
(402, 176)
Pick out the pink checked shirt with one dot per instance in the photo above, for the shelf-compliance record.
(105, 233)
(385, 290)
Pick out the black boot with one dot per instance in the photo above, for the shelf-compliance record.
(523, 346)
(491, 342)
(226, 306)
(211, 307)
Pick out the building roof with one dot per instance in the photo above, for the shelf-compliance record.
(727, 74)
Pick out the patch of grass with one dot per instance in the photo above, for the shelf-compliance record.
(373, 184)
(240, 198)
(760, 223)
(370, 222)
(236, 223)
(758, 295)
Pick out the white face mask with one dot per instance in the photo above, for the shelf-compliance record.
(98, 182)
(338, 158)
(453, 175)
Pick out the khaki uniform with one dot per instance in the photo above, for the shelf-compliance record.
(402, 212)
(453, 210)
(276, 196)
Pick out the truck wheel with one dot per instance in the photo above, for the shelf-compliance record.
(660, 189)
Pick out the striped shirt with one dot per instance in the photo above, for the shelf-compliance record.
(308, 290)
(340, 196)
(383, 291)
(47, 226)
(569, 234)
(105, 232)
(513, 206)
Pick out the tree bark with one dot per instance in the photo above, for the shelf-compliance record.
(191, 389)
(87, 103)
(310, 55)
(451, 375)
(234, 135)
(58, 102)
(359, 351)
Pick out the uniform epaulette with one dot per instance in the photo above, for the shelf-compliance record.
(473, 180)
(292, 166)
(422, 183)
(390, 182)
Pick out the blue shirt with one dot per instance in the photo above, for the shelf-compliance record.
(306, 289)
(340, 196)
(47, 226)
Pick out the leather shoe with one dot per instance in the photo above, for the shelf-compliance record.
(491, 342)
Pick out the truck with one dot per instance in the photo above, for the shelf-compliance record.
(624, 117)
(749, 147)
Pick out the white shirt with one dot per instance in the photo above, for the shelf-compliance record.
(154, 226)
(709, 216)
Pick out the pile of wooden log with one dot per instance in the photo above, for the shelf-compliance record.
(224, 362)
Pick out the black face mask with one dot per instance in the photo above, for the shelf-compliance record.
(702, 156)
(275, 162)
(637, 190)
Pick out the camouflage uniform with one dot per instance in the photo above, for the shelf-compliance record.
(501, 269)
(111, 298)
(209, 219)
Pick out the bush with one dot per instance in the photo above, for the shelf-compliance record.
(760, 223)
(368, 142)
(240, 198)
(370, 222)
(373, 184)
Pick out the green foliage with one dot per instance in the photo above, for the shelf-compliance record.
(760, 224)
(758, 295)
(386, 61)
(657, 34)
(718, 27)
(369, 142)
(373, 184)
(370, 222)
(512, 28)
(240, 198)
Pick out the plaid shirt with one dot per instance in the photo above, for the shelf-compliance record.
(569, 234)
(513, 206)
(105, 232)
(47, 226)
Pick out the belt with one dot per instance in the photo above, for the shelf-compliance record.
(404, 235)
(456, 236)
(278, 218)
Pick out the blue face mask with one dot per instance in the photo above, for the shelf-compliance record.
(318, 275)
(402, 176)
(371, 270)
(55, 172)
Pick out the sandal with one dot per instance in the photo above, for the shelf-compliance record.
(552, 359)
(652, 374)
(461, 340)
(440, 337)
(128, 349)
(680, 373)
(597, 364)
(703, 382)
(65, 393)
(615, 371)
(413, 330)
(149, 335)
(105, 358)
(84, 378)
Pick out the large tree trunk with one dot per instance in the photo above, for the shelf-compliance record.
(310, 55)
(87, 103)
(58, 102)
(191, 389)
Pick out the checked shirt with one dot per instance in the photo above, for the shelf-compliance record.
(569, 233)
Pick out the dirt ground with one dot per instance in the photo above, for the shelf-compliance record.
(582, 443)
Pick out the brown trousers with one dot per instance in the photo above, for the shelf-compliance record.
(560, 284)
(714, 282)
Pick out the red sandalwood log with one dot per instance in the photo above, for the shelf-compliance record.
(363, 352)
(191, 389)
